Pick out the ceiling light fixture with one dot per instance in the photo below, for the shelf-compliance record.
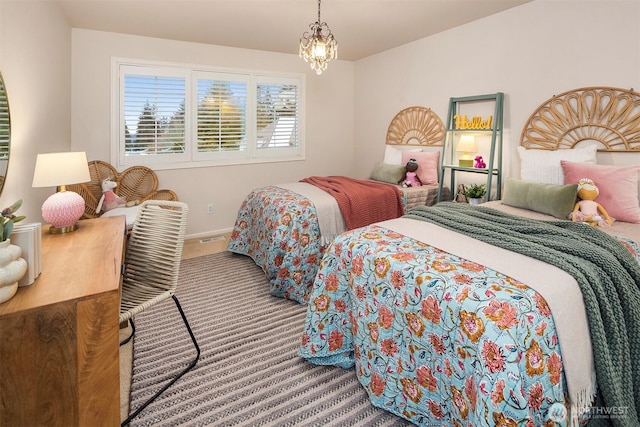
(318, 46)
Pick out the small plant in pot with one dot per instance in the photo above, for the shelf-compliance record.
(8, 219)
(475, 193)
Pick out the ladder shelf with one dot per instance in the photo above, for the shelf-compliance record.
(459, 123)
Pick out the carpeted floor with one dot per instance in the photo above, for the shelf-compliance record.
(249, 372)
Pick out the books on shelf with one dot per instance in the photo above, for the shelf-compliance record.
(29, 238)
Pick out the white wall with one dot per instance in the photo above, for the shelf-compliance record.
(329, 119)
(35, 61)
(530, 53)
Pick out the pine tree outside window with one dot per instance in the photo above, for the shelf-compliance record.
(222, 112)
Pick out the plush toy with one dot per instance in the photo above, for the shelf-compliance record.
(410, 178)
(480, 164)
(109, 199)
(587, 209)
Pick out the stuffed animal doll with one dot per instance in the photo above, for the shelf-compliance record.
(587, 209)
(480, 164)
(410, 178)
(109, 199)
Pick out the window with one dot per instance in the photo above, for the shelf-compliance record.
(176, 116)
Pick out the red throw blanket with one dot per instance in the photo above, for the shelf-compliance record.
(361, 202)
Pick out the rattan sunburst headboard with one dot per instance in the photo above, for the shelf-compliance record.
(608, 115)
(416, 126)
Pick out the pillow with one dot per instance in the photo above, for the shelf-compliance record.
(130, 214)
(393, 155)
(618, 186)
(387, 173)
(544, 166)
(551, 199)
(428, 162)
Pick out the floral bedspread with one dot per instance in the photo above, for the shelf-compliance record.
(279, 230)
(436, 339)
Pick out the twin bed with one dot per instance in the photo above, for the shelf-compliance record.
(499, 314)
(286, 228)
(446, 329)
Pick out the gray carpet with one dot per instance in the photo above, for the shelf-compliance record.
(249, 373)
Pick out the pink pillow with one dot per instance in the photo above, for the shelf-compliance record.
(427, 165)
(618, 187)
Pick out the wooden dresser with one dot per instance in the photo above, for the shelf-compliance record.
(59, 349)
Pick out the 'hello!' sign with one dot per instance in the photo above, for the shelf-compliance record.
(476, 122)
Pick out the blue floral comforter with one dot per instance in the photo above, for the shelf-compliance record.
(436, 339)
(279, 230)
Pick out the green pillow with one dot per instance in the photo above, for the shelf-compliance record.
(551, 199)
(386, 172)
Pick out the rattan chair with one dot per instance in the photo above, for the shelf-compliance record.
(134, 183)
(152, 263)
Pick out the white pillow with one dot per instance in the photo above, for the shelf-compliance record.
(129, 214)
(393, 155)
(543, 166)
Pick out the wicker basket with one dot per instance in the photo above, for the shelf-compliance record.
(135, 183)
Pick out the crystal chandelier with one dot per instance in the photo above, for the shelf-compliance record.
(318, 46)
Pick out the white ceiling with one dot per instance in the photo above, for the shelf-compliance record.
(362, 27)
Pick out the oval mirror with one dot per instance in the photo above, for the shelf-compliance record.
(5, 132)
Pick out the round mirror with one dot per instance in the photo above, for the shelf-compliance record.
(5, 132)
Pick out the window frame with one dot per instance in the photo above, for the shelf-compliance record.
(191, 157)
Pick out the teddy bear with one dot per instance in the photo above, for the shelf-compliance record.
(410, 177)
(109, 199)
(587, 209)
(480, 164)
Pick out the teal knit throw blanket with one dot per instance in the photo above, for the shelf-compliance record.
(607, 273)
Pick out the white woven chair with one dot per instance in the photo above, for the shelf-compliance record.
(152, 264)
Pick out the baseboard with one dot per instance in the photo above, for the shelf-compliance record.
(208, 233)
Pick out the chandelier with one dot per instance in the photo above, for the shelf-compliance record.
(318, 46)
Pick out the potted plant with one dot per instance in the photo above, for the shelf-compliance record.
(475, 192)
(8, 219)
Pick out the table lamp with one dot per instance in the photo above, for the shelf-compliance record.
(466, 145)
(64, 208)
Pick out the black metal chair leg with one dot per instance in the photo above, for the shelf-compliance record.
(133, 331)
(184, 371)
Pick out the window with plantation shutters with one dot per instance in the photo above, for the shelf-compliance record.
(222, 115)
(277, 115)
(154, 114)
(174, 116)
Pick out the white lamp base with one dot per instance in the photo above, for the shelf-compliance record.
(63, 210)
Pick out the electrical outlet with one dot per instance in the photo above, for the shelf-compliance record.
(210, 208)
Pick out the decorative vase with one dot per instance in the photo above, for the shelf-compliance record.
(475, 200)
(12, 268)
